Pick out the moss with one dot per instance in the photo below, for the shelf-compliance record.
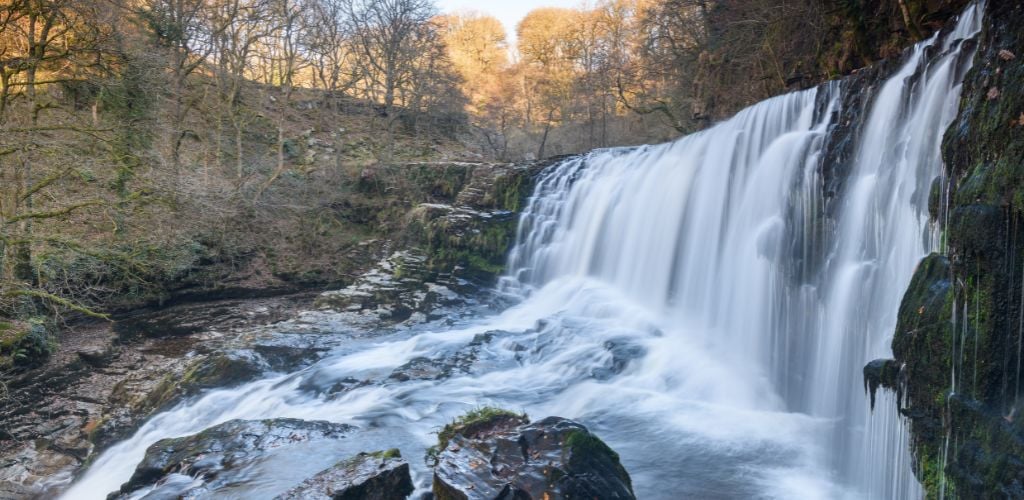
(511, 191)
(475, 420)
(981, 289)
(387, 454)
(479, 247)
(582, 443)
(588, 452)
(930, 474)
(483, 264)
(25, 344)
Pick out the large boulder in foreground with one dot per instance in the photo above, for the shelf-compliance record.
(381, 475)
(218, 457)
(492, 454)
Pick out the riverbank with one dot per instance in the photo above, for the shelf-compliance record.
(441, 242)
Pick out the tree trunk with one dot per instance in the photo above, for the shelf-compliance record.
(544, 138)
(238, 150)
(389, 111)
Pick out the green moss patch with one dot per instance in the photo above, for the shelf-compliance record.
(24, 344)
(476, 420)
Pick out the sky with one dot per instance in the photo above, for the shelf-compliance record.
(509, 12)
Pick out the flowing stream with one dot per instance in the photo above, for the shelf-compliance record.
(705, 306)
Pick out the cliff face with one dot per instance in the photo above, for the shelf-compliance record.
(958, 343)
(758, 49)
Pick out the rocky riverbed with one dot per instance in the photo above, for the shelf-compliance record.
(105, 379)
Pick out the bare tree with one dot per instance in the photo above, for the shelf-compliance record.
(329, 44)
(240, 25)
(386, 32)
(286, 62)
(47, 44)
(183, 29)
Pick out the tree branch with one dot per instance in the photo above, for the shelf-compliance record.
(54, 213)
(39, 294)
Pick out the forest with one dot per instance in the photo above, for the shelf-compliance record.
(119, 117)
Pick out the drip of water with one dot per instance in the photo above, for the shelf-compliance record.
(695, 303)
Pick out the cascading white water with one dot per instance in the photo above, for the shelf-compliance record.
(695, 303)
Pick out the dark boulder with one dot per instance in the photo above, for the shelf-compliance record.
(381, 475)
(217, 455)
(491, 454)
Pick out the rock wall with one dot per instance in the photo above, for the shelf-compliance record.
(958, 343)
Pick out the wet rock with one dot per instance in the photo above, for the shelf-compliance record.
(496, 454)
(381, 475)
(959, 322)
(284, 358)
(400, 289)
(104, 380)
(971, 227)
(25, 474)
(12, 490)
(458, 361)
(622, 353)
(224, 370)
(220, 453)
(880, 373)
(98, 357)
(422, 368)
(220, 370)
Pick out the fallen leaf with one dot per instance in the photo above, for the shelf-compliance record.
(1006, 55)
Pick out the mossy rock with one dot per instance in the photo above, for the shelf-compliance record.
(221, 370)
(959, 323)
(474, 421)
(24, 344)
(554, 458)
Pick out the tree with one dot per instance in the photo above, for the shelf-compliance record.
(240, 26)
(329, 43)
(549, 47)
(286, 61)
(183, 29)
(479, 52)
(48, 45)
(664, 77)
(388, 33)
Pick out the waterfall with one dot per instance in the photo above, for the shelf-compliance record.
(706, 306)
(726, 230)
